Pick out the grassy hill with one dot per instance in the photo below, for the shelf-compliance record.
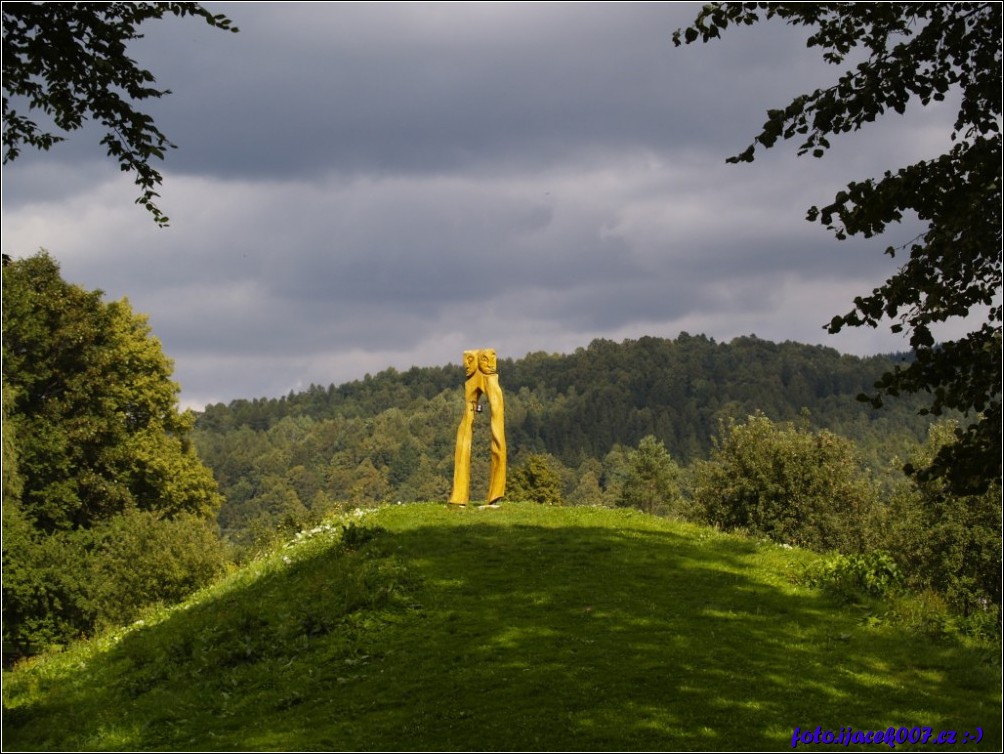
(418, 627)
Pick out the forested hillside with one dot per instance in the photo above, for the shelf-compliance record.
(390, 436)
(613, 393)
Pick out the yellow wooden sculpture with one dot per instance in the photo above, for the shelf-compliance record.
(481, 368)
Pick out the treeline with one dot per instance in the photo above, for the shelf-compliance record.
(581, 405)
(390, 436)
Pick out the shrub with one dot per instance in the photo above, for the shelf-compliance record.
(140, 559)
(945, 542)
(64, 585)
(851, 577)
(45, 590)
(794, 486)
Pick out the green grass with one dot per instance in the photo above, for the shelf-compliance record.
(518, 628)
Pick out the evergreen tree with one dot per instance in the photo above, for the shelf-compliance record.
(536, 480)
(652, 482)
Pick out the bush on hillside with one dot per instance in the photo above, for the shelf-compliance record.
(791, 485)
(851, 577)
(945, 542)
(65, 585)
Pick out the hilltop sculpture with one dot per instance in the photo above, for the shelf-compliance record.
(481, 368)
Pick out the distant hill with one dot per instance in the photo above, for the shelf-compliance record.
(527, 628)
(580, 405)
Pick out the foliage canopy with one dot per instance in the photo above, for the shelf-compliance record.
(90, 397)
(106, 506)
(794, 486)
(922, 52)
(652, 482)
(69, 61)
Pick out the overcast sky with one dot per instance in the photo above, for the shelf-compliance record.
(359, 186)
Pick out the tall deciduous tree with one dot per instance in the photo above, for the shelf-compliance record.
(89, 395)
(106, 507)
(908, 52)
(69, 61)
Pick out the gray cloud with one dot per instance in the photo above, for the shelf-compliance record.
(395, 88)
(366, 185)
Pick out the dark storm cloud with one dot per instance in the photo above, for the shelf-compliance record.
(415, 87)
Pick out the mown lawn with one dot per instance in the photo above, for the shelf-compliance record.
(517, 628)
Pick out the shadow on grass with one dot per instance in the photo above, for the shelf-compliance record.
(588, 638)
(501, 635)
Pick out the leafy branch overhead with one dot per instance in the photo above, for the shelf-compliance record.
(69, 62)
(923, 53)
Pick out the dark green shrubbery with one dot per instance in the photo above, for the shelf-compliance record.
(945, 542)
(791, 485)
(45, 586)
(806, 488)
(58, 587)
(851, 577)
(139, 559)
